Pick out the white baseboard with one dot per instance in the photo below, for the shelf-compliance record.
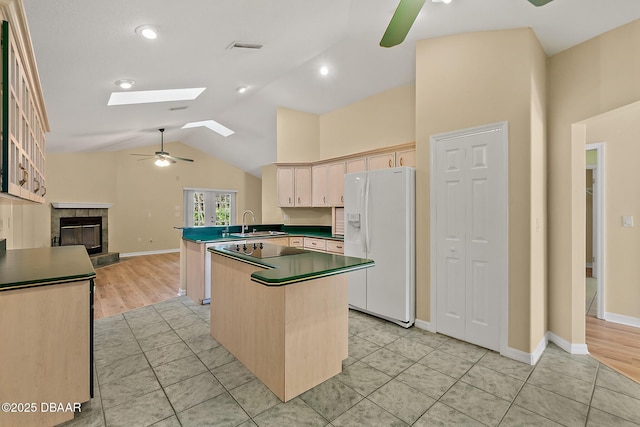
(622, 319)
(523, 356)
(423, 324)
(566, 345)
(161, 251)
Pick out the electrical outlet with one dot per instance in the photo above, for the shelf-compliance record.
(627, 221)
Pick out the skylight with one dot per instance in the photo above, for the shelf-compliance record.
(148, 96)
(211, 124)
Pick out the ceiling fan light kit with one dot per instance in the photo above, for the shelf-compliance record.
(163, 159)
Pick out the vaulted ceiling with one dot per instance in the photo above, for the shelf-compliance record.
(83, 46)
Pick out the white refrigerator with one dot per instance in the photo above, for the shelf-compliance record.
(379, 218)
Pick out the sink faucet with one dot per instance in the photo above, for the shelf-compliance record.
(246, 227)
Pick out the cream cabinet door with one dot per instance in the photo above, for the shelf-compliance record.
(381, 161)
(286, 194)
(335, 183)
(319, 186)
(357, 165)
(302, 186)
(406, 158)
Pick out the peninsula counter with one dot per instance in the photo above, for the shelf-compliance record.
(285, 317)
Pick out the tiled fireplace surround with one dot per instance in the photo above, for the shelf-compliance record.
(64, 209)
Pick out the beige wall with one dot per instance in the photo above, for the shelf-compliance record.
(589, 79)
(619, 130)
(298, 136)
(379, 121)
(474, 79)
(147, 200)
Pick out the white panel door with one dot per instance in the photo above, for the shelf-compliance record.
(470, 247)
(451, 282)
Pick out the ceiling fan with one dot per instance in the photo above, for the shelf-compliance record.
(163, 158)
(406, 14)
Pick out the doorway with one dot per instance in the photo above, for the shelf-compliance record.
(469, 255)
(594, 274)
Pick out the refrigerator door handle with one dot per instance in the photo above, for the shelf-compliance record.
(366, 215)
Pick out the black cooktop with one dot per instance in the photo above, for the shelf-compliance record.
(263, 250)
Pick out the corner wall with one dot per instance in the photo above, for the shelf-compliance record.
(589, 79)
(474, 79)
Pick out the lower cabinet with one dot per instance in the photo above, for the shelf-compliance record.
(45, 352)
(324, 245)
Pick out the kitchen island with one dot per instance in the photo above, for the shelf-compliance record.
(45, 331)
(282, 312)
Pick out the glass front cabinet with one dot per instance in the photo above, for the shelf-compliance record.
(23, 120)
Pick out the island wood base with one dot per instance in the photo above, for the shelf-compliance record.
(44, 352)
(292, 337)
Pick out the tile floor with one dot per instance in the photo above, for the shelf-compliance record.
(159, 366)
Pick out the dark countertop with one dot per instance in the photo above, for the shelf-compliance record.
(44, 266)
(214, 234)
(288, 269)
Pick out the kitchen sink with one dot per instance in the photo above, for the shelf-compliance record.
(259, 234)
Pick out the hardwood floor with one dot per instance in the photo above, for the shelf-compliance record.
(615, 345)
(136, 282)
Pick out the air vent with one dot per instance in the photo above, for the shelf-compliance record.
(184, 107)
(244, 45)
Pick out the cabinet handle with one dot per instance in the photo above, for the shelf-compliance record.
(324, 199)
(25, 175)
(298, 200)
(289, 200)
(401, 161)
(313, 243)
(341, 199)
(35, 190)
(389, 162)
(338, 246)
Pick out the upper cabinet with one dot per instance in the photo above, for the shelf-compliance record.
(321, 184)
(406, 157)
(294, 186)
(23, 122)
(335, 183)
(381, 161)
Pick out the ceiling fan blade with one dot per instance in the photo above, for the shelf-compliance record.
(178, 158)
(148, 155)
(401, 22)
(539, 2)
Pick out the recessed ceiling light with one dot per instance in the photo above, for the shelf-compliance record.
(147, 31)
(148, 96)
(324, 70)
(211, 124)
(242, 89)
(125, 83)
(442, 1)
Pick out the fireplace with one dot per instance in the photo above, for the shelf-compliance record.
(85, 231)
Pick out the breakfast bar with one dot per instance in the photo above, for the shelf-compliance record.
(282, 312)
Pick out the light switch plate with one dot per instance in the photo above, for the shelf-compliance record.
(627, 221)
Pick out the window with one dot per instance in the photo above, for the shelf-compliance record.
(208, 207)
